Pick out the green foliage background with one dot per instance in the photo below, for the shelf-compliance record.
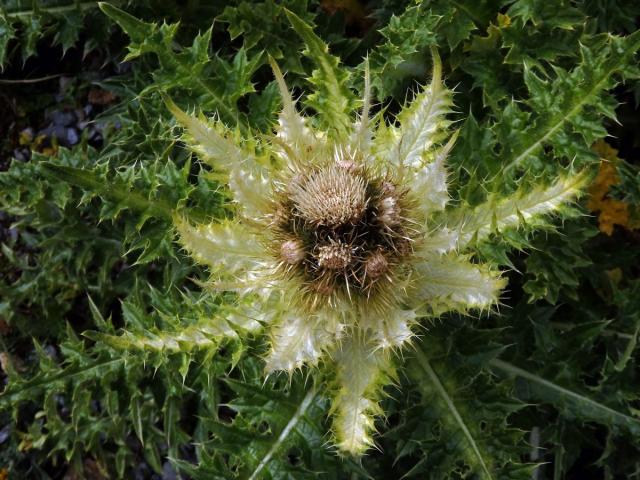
(114, 359)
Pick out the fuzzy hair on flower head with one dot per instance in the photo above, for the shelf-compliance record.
(343, 239)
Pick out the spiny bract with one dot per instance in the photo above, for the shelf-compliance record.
(341, 240)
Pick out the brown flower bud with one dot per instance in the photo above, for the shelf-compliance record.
(389, 212)
(292, 252)
(376, 265)
(335, 256)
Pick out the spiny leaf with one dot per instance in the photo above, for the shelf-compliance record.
(361, 374)
(28, 25)
(87, 180)
(522, 209)
(27, 389)
(271, 423)
(216, 83)
(580, 89)
(138, 31)
(401, 56)
(246, 20)
(116, 191)
(451, 283)
(459, 422)
(6, 34)
(570, 402)
(227, 245)
(332, 99)
(423, 121)
(284, 434)
(478, 456)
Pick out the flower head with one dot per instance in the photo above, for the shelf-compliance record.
(342, 239)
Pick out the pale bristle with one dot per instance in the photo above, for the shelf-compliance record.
(331, 197)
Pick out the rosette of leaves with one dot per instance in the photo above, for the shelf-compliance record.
(342, 239)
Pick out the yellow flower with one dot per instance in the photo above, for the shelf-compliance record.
(610, 211)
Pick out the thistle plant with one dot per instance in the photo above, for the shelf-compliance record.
(344, 242)
(360, 252)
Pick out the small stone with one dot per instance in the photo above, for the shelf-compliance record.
(80, 116)
(168, 473)
(63, 119)
(57, 131)
(72, 136)
(51, 352)
(26, 136)
(22, 154)
(5, 433)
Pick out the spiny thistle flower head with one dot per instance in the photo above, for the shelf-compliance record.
(341, 230)
(342, 238)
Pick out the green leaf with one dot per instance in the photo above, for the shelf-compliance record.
(461, 17)
(27, 389)
(559, 15)
(404, 53)
(460, 419)
(68, 31)
(274, 422)
(332, 99)
(570, 402)
(247, 21)
(92, 183)
(214, 83)
(136, 414)
(32, 27)
(280, 440)
(7, 33)
(557, 262)
(473, 453)
(138, 31)
(117, 191)
(563, 102)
